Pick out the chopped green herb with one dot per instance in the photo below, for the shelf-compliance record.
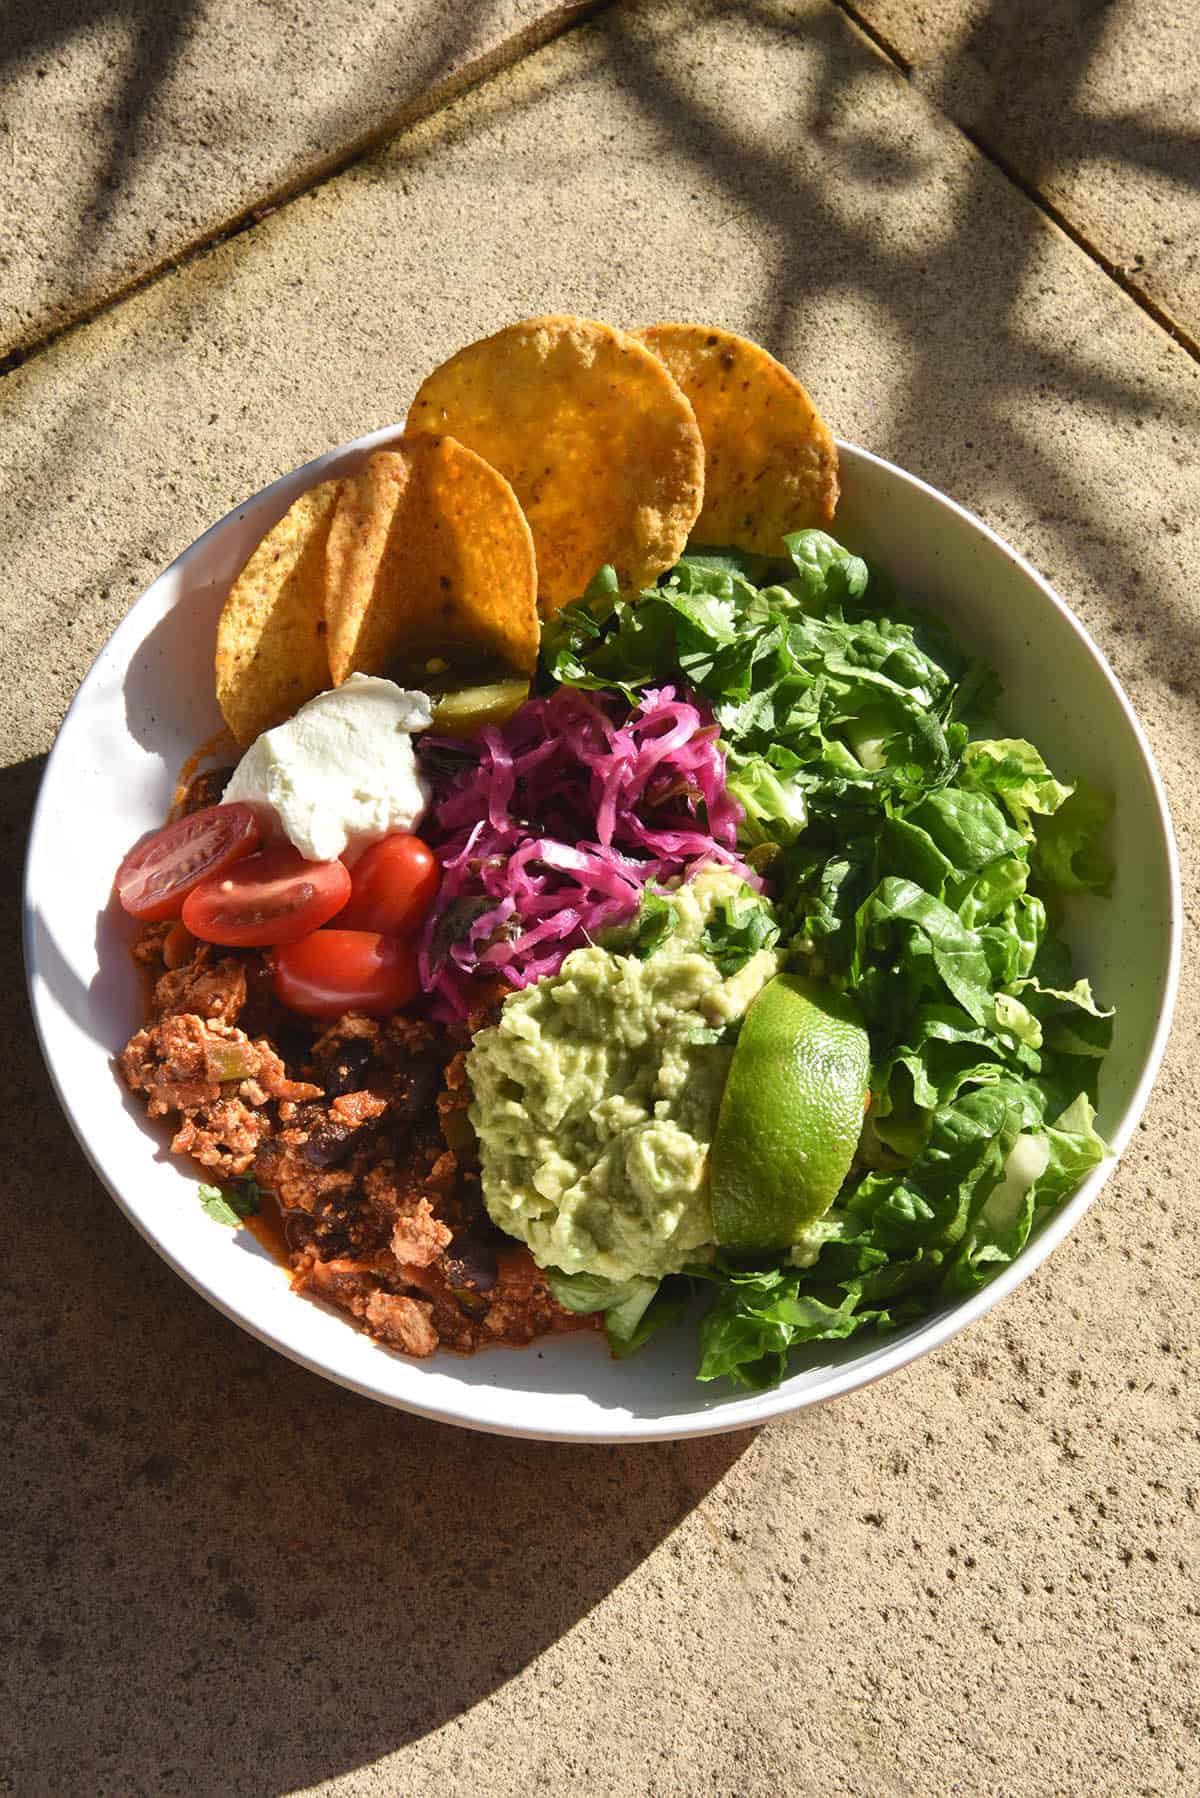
(707, 1033)
(230, 1204)
(739, 928)
(647, 931)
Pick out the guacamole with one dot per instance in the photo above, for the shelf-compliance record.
(596, 1097)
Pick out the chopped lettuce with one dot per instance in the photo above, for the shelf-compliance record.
(766, 788)
(633, 1310)
(1069, 855)
(1014, 773)
(921, 869)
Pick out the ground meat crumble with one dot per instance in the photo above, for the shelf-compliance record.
(359, 1134)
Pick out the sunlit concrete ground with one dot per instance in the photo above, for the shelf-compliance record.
(971, 229)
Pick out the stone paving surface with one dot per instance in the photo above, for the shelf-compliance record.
(979, 1576)
(131, 130)
(1097, 106)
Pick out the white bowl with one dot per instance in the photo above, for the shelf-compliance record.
(148, 702)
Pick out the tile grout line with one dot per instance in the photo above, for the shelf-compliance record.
(1177, 332)
(496, 61)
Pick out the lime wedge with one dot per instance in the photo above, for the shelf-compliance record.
(468, 709)
(790, 1115)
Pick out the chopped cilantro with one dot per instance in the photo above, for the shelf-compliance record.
(646, 931)
(656, 921)
(739, 927)
(230, 1204)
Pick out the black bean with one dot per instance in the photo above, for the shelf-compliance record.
(346, 1073)
(422, 1082)
(469, 1261)
(331, 1138)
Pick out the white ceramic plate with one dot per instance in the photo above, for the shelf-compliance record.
(148, 702)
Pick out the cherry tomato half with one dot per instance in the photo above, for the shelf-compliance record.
(393, 884)
(155, 878)
(333, 971)
(273, 897)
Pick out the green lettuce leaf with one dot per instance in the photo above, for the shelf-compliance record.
(1012, 771)
(824, 570)
(909, 946)
(634, 1310)
(1070, 856)
(770, 794)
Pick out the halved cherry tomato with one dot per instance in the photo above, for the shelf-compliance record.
(273, 897)
(393, 885)
(155, 878)
(338, 970)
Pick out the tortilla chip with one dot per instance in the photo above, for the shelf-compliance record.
(429, 546)
(771, 464)
(599, 443)
(271, 634)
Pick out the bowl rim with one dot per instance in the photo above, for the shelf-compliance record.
(740, 1412)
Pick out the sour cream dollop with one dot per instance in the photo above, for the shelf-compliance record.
(341, 774)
